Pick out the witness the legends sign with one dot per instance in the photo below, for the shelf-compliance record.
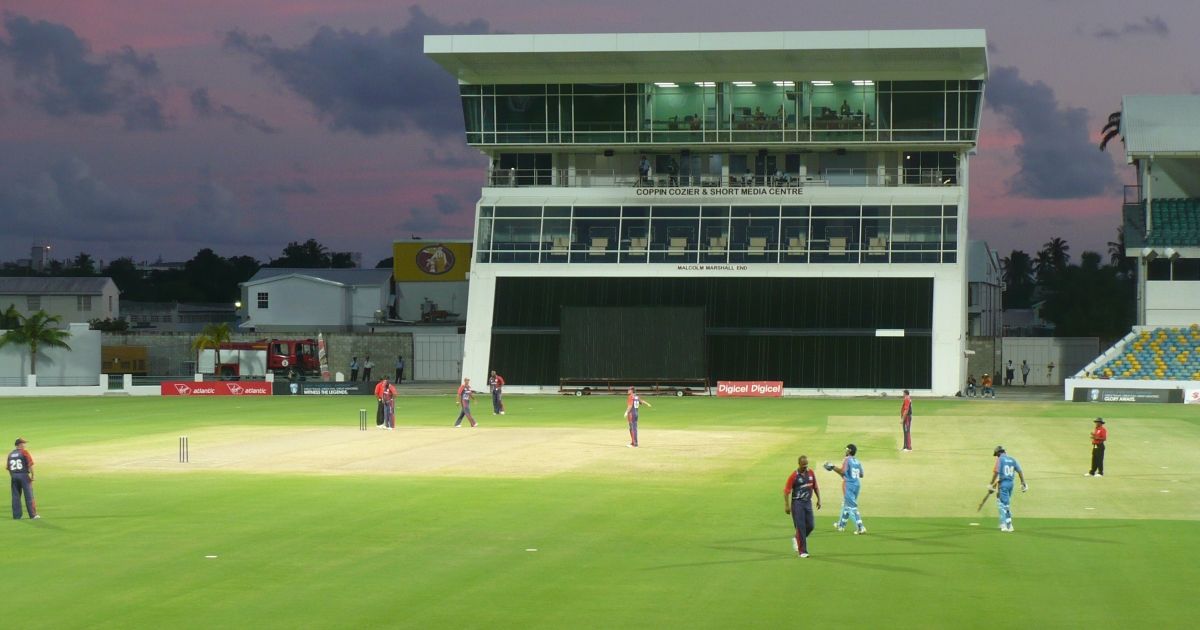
(1127, 394)
(322, 388)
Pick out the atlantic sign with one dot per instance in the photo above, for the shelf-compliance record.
(219, 388)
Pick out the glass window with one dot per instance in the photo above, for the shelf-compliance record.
(599, 112)
(1185, 269)
(1158, 269)
(522, 117)
(516, 240)
(915, 240)
(835, 240)
(679, 108)
(83, 302)
(714, 235)
(556, 239)
(754, 239)
(674, 234)
(918, 113)
(596, 239)
(795, 241)
(263, 299)
(635, 238)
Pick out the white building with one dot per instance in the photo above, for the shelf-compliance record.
(1162, 211)
(76, 300)
(985, 280)
(787, 206)
(282, 299)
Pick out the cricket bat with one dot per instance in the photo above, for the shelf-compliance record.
(985, 498)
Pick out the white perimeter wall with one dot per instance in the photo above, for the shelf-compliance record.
(81, 362)
(1174, 303)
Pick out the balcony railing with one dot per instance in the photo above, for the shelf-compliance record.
(611, 178)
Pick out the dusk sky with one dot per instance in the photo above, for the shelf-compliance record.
(156, 128)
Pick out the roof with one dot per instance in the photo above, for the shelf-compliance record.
(895, 55)
(343, 277)
(1157, 124)
(53, 286)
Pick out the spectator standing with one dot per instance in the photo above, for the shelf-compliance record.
(20, 473)
(1099, 437)
(1002, 479)
(644, 172)
(354, 368)
(1024, 372)
(1009, 374)
(906, 421)
(368, 365)
(496, 384)
(798, 493)
(399, 369)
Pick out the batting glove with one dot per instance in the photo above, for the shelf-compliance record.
(1024, 487)
(827, 466)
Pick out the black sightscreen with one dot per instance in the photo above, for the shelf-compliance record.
(806, 332)
(637, 343)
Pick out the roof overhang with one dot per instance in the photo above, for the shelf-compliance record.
(1156, 125)
(766, 56)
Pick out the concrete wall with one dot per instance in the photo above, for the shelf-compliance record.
(57, 366)
(987, 359)
(1069, 355)
(1172, 303)
(298, 302)
(1174, 177)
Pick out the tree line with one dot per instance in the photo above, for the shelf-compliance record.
(206, 277)
(1091, 298)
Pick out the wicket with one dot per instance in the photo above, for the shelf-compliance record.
(362, 419)
(183, 449)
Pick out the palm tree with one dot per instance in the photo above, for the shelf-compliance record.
(36, 331)
(1111, 129)
(1056, 251)
(1018, 279)
(211, 338)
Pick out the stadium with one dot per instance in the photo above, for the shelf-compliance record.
(819, 244)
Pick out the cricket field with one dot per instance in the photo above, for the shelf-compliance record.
(288, 516)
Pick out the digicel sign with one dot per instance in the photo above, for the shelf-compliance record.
(761, 389)
(189, 388)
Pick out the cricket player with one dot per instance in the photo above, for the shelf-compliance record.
(20, 471)
(387, 398)
(496, 384)
(632, 403)
(381, 407)
(906, 421)
(797, 500)
(1002, 479)
(1099, 437)
(852, 473)
(464, 398)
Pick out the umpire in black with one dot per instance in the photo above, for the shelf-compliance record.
(20, 470)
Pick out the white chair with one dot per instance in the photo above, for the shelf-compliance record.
(797, 245)
(599, 246)
(837, 245)
(757, 245)
(560, 245)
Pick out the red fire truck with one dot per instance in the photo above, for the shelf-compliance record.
(256, 358)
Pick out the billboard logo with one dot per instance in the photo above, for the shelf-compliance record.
(183, 390)
(435, 260)
(235, 389)
(1094, 395)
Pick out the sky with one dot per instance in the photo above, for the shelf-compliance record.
(154, 128)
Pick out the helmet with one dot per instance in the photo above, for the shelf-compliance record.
(999, 449)
(852, 449)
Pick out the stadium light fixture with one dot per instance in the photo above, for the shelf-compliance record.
(665, 84)
(826, 83)
(784, 83)
(706, 84)
(744, 83)
(1170, 253)
(1149, 254)
(863, 82)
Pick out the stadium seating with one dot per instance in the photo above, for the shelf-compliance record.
(1159, 354)
(1176, 222)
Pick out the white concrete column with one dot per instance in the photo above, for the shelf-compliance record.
(31, 380)
(198, 378)
(949, 330)
(126, 382)
(477, 344)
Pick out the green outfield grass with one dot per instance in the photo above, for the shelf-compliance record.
(617, 545)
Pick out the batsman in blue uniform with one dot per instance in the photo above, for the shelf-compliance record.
(1003, 476)
(852, 473)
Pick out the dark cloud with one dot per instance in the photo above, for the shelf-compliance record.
(1058, 156)
(68, 201)
(297, 187)
(445, 218)
(369, 82)
(1154, 26)
(204, 107)
(220, 216)
(62, 77)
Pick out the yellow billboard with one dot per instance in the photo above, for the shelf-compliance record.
(431, 261)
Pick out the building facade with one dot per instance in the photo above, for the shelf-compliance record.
(75, 300)
(282, 299)
(785, 206)
(985, 291)
(1162, 211)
